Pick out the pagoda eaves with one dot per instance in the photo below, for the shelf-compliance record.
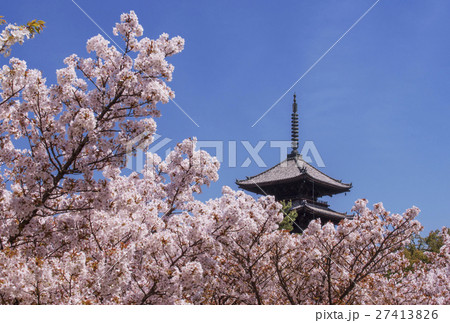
(294, 170)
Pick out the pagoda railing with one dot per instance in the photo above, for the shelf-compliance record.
(316, 202)
(322, 202)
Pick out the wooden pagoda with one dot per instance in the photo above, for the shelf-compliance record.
(297, 181)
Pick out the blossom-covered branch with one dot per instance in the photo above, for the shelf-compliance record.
(13, 34)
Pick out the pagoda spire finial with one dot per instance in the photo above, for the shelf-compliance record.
(294, 128)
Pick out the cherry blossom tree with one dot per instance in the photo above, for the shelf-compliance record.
(75, 230)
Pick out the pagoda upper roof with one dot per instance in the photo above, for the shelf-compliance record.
(293, 169)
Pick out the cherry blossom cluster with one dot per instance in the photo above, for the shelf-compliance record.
(11, 35)
(75, 230)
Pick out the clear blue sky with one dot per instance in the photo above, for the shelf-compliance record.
(377, 106)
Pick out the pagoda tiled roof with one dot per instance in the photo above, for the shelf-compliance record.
(290, 170)
(321, 211)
